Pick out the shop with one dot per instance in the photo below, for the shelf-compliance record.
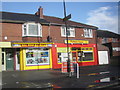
(80, 51)
(37, 56)
(27, 56)
(4, 55)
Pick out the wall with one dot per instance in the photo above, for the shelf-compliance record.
(12, 31)
(55, 33)
(99, 40)
(110, 44)
(116, 49)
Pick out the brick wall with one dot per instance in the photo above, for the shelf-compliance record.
(116, 45)
(55, 33)
(109, 40)
(13, 32)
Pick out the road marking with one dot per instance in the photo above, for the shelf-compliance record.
(91, 86)
(108, 85)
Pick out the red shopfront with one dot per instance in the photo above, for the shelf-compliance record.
(84, 54)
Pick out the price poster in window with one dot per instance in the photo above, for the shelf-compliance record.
(37, 57)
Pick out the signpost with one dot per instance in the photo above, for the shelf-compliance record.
(65, 19)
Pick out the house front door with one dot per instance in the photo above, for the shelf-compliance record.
(9, 60)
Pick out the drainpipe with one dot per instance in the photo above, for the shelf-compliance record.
(49, 37)
(49, 29)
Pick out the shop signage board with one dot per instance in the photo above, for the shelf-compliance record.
(77, 41)
(32, 44)
(64, 67)
(5, 44)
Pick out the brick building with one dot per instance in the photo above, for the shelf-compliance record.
(111, 40)
(36, 41)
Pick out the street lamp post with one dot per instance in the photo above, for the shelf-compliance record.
(65, 20)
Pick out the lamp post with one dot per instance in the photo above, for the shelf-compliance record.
(65, 20)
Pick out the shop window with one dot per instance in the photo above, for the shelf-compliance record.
(71, 31)
(88, 56)
(104, 40)
(85, 55)
(75, 48)
(88, 33)
(83, 49)
(59, 58)
(86, 48)
(32, 29)
(114, 39)
(90, 48)
(62, 54)
(37, 57)
(62, 57)
(74, 56)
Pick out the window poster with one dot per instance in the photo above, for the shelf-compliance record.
(62, 57)
(62, 54)
(37, 57)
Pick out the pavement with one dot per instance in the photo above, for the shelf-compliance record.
(91, 77)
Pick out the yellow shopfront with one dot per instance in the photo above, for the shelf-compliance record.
(35, 56)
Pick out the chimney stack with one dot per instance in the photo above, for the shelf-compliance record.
(40, 12)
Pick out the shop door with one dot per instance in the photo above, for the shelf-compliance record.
(17, 56)
(76, 56)
(3, 61)
(9, 60)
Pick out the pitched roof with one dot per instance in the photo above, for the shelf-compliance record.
(57, 20)
(21, 17)
(107, 34)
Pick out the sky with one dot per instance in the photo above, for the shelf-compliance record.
(104, 15)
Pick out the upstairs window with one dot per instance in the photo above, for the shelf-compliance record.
(88, 33)
(104, 40)
(114, 39)
(71, 31)
(32, 29)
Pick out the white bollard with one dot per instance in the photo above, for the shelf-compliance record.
(77, 70)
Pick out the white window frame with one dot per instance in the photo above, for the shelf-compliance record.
(27, 29)
(71, 29)
(88, 33)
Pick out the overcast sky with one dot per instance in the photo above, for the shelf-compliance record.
(104, 15)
